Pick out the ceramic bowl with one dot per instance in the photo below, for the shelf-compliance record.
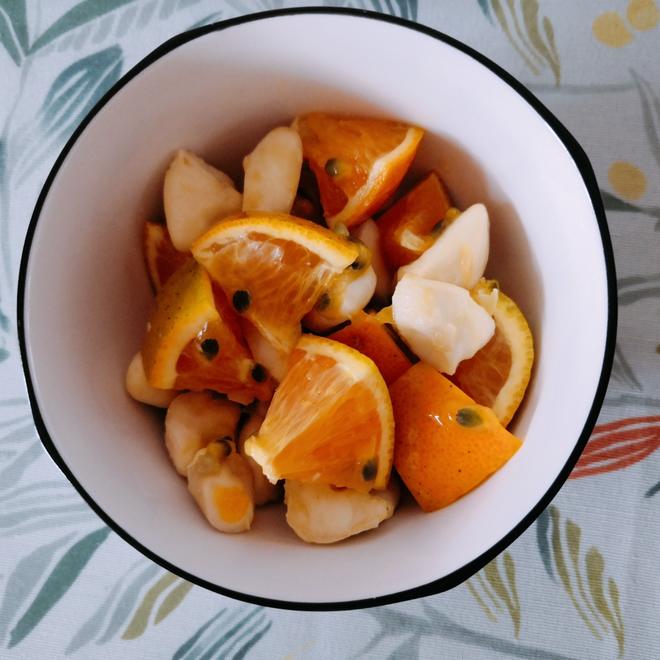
(84, 295)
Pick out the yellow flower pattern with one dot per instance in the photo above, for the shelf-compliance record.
(627, 179)
(643, 14)
(611, 29)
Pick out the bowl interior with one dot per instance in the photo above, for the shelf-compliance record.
(87, 297)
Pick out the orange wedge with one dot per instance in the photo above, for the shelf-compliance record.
(193, 341)
(405, 227)
(446, 444)
(161, 256)
(273, 268)
(358, 162)
(218, 359)
(183, 307)
(330, 420)
(367, 335)
(497, 375)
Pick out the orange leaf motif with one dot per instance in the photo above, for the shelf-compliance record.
(617, 445)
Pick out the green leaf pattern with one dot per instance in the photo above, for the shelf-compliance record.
(25, 577)
(173, 599)
(599, 609)
(226, 634)
(401, 8)
(71, 96)
(494, 589)
(81, 14)
(127, 611)
(532, 37)
(63, 575)
(13, 29)
(140, 619)
(128, 600)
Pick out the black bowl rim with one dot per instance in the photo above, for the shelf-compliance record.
(584, 167)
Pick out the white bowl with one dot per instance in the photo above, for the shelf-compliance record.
(84, 296)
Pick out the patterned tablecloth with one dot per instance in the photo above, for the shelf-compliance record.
(582, 582)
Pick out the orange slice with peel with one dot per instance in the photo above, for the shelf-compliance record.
(183, 307)
(160, 255)
(498, 374)
(219, 359)
(273, 268)
(193, 341)
(358, 162)
(330, 420)
(446, 444)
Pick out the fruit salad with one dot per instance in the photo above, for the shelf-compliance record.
(326, 334)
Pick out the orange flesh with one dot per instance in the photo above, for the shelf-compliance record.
(326, 432)
(371, 338)
(484, 374)
(231, 503)
(418, 212)
(355, 144)
(230, 370)
(183, 306)
(438, 458)
(162, 258)
(283, 279)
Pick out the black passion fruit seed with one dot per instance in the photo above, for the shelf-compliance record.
(259, 373)
(210, 348)
(369, 469)
(358, 264)
(226, 443)
(333, 167)
(323, 302)
(241, 300)
(364, 254)
(468, 417)
(437, 227)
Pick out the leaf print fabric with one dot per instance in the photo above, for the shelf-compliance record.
(495, 590)
(617, 445)
(581, 576)
(581, 583)
(612, 29)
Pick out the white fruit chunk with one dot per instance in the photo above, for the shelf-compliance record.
(459, 254)
(272, 172)
(348, 295)
(440, 322)
(193, 420)
(221, 483)
(271, 357)
(357, 294)
(196, 196)
(139, 388)
(319, 513)
(369, 234)
(264, 491)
